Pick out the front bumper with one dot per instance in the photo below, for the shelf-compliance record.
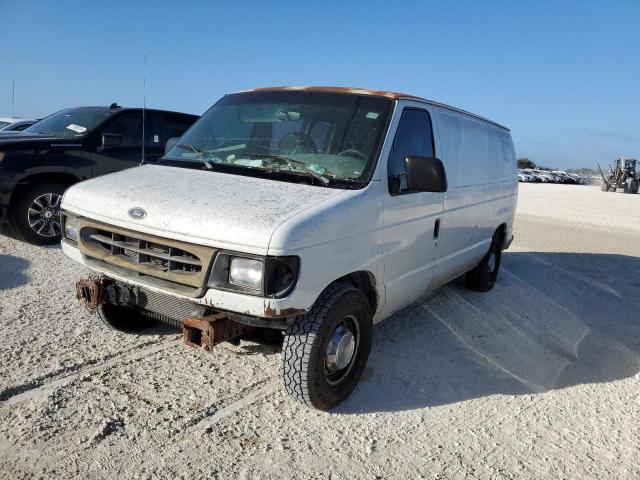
(244, 308)
(5, 197)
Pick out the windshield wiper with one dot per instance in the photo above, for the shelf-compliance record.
(295, 165)
(200, 154)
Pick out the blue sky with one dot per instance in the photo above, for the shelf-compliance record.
(564, 76)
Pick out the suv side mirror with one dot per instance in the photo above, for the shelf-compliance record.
(425, 174)
(111, 140)
(170, 144)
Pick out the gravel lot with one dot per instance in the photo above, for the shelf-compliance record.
(537, 379)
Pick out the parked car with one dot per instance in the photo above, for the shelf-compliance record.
(18, 126)
(6, 121)
(38, 164)
(315, 211)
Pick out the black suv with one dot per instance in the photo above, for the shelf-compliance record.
(38, 164)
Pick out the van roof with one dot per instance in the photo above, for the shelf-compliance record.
(375, 93)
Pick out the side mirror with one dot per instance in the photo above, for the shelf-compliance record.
(170, 144)
(111, 140)
(425, 174)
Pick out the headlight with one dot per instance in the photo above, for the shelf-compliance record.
(272, 277)
(245, 272)
(70, 228)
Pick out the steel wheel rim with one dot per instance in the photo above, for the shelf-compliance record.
(43, 215)
(342, 350)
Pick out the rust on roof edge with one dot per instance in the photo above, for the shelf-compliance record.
(368, 91)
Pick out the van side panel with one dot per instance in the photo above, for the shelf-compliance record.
(480, 165)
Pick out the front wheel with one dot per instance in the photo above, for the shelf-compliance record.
(483, 277)
(35, 213)
(325, 351)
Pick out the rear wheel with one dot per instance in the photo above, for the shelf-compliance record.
(604, 187)
(483, 277)
(35, 213)
(325, 351)
(123, 319)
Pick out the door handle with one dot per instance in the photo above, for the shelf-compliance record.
(436, 228)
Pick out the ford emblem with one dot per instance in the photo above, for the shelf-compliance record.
(137, 212)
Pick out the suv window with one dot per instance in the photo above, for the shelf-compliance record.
(129, 126)
(173, 126)
(413, 137)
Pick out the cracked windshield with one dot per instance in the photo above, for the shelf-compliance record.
(325, 139)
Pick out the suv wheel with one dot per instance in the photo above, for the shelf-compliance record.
(123, 319)
(35, 213)
(325, 351)
(483, 277)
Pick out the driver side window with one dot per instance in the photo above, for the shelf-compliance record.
(129, 127)
(413, 137)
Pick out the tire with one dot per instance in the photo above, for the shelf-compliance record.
(311, 376)
(635, 186)
(604, 187)
(35, 213)
(123, 319)
(483, 277)
(631, 186)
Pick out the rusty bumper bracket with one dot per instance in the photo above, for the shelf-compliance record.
(92, 291)
(206, 332)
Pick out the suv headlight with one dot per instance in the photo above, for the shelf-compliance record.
(272, 277)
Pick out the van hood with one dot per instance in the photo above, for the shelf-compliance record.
(197, 206)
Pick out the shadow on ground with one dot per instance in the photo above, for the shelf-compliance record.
(553, 320)
(12, 271)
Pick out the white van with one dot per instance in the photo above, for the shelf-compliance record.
(315, 211)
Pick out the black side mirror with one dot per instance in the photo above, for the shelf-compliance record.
(111, 140)
(170, 144)
(425, 174)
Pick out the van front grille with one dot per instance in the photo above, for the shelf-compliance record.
(137, 250)
(160, 262)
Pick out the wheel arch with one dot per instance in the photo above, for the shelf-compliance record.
(62, 178)
(365, 281)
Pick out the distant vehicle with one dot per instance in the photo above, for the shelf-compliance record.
(18, 126)
(6, 121)
(622, 174)
(317, 211)
(38, 164)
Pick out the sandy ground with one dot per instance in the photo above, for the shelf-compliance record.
(537, 379)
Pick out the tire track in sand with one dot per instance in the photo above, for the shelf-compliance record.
(36, 388)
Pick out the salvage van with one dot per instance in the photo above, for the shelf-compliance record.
(313, 211)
